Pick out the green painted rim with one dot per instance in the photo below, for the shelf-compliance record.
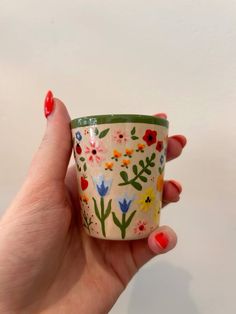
(117, 118)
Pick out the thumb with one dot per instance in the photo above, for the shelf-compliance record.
(52, 158)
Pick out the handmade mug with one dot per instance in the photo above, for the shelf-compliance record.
(120, 162)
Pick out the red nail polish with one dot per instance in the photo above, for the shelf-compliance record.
(161, 115)
(162, 240)
(181, 139)
(48, 104)
(177, 185)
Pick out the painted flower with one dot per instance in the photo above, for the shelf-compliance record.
(160, 183)
(84, 198)
(86, 132)
(102, 185)
(159, 146)
(150, 137)
(95, 152)
(125, 203)
(116, 155)
(141, 227)
(78, 136)
(147, 199)
(120, 136)
(129, 152)
(140, 148)
(125, 163)
(109, 166)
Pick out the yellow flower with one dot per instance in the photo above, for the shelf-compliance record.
(129, 152)
(116, 154)
(156, 214)
(109, 166)
(160, 183)
(147, 199)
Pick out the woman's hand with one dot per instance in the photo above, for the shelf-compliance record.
(47, 262)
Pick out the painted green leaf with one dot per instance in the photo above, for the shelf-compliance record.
(82, 159)
(148, 171)
(153, 156)
(96, 131)
(85, 167)
(116, 221)
(142, 178)
(147, 160)
(141, 162)
(135, 169)
(136, 185)
(96, 209)
(134, 137)
(103, 133)
(133, 131)
(128, 221)
(108, 210)
(124, 175)
(152, 164)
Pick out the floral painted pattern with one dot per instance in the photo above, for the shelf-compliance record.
(140, 227)
(95, 152)
(120, 178)
(150, 137)
(120, 137)
(147, 199)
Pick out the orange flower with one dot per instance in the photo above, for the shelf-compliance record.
(129, 152)
(116, 154)
(109, 166)
(141, 146)
(125, 163)
(84, 198)
(160, 183)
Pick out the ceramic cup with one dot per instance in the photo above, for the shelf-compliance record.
(120, 162)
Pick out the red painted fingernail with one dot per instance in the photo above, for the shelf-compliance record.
(177, 185)
(181, 139)
(162, 240)
(48, 104)
(161, 115)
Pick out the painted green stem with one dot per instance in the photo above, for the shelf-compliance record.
(123, 227)
(103, 214)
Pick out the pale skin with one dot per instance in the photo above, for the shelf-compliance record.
(47, 262)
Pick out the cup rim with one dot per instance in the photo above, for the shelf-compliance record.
(117, 118)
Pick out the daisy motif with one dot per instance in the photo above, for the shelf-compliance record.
(95, 152)
(120, 136)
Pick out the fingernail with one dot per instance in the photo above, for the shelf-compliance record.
(162, 240)
(181, 139)
(48, 104)
(161, 115)
(177, 185)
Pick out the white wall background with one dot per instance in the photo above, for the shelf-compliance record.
(138, 56)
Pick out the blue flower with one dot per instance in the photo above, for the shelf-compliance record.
(102, 185)
(78, 136)
(162, 159)
(125, 203)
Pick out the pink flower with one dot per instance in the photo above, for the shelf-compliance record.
(95, 152)
(141, 227)
(120, 137)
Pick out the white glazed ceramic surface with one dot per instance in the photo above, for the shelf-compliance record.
(120, 171)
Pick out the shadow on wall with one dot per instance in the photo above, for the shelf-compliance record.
(162, 289)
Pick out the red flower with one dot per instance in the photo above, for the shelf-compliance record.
(150, 137)
(159, 146)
